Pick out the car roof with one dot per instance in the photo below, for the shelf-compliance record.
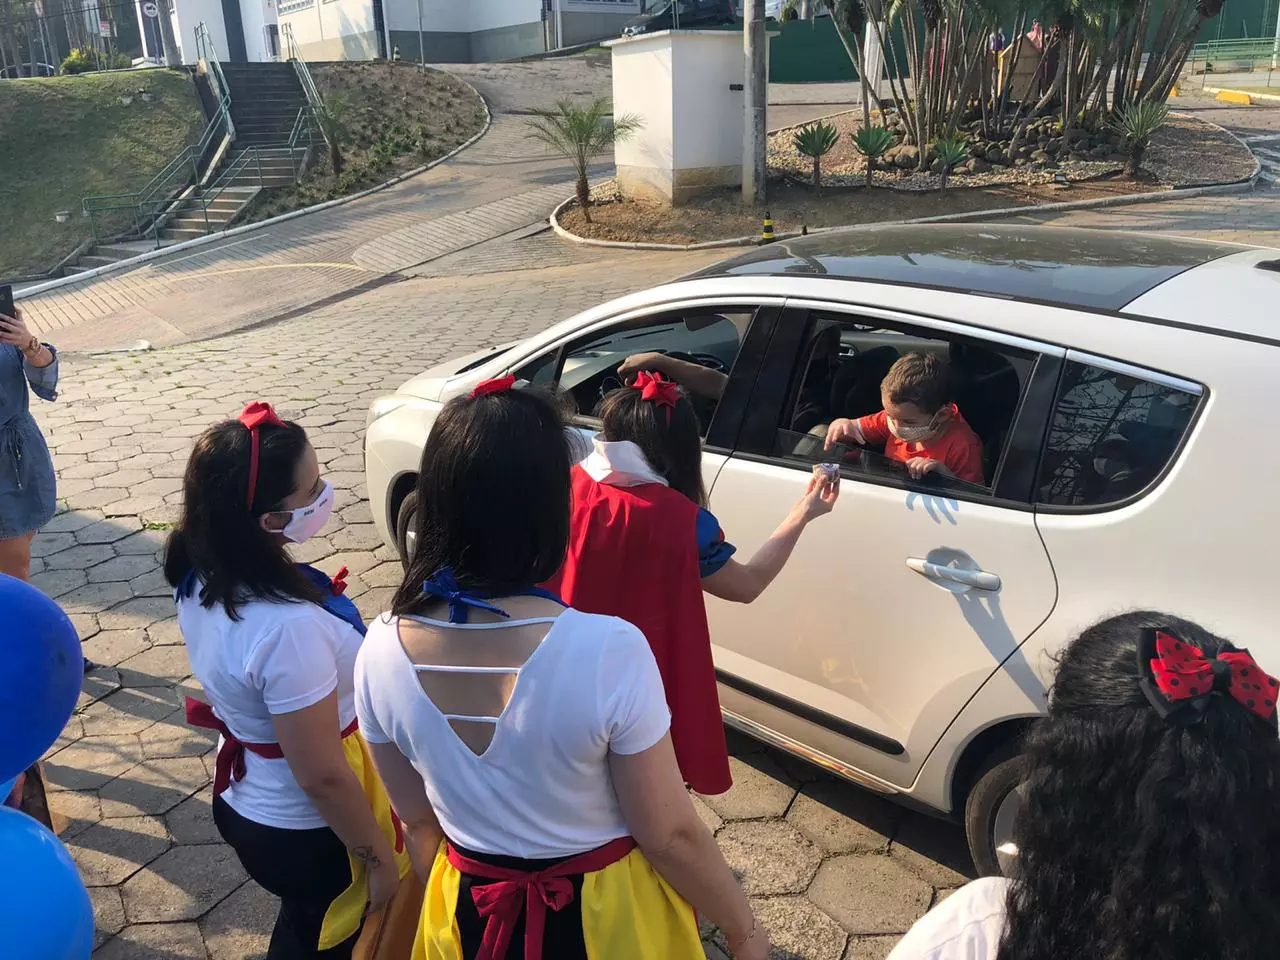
(1096, 270)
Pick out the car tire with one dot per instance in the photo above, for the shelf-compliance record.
(406, 518)
(998, 780)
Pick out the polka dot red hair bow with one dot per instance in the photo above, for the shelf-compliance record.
(656, 390)
(1179, 679)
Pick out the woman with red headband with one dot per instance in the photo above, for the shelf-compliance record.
(644, 547)
(274, 644)
(526, 743)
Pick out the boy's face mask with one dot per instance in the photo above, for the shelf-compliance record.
(917, 433)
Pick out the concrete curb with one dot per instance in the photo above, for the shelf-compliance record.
(1159, 196)
(1248, 95)
(143, 258)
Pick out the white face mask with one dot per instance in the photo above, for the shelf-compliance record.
(912, 434)
(305, 522)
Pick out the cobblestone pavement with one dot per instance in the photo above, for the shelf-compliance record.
(835, 873)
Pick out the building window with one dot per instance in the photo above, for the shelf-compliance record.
(293, 6)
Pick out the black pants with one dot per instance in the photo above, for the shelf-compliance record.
(306, 869)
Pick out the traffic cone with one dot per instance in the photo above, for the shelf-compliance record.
(766, 231)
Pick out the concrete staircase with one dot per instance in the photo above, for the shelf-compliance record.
(265, 100)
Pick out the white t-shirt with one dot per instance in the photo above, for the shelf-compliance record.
(278, 658)
(542, 788)
(967, 925)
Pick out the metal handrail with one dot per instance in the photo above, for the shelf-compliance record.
(1250, 51)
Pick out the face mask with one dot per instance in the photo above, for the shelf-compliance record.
(305, 522)
(912, 434)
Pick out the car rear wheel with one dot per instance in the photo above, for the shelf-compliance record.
(407, 527)
(989, 815)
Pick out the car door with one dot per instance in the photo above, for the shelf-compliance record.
(895, 608)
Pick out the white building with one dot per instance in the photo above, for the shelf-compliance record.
(241, 30)
(448, 31)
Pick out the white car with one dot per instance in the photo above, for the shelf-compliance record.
(1124, 387)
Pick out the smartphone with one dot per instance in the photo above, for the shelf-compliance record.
(7, 308)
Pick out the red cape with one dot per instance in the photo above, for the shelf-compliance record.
(633, 554)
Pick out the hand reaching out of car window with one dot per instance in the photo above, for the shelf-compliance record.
(842, 430)
(920, 467)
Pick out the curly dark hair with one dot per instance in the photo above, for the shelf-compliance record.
(1141, 839)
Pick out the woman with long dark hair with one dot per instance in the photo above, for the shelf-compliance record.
(524, 743)
(273, 643)
(1150, 828)
(644, 547)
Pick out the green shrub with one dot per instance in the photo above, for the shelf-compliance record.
(85, 60)
(815, 141)
(872, 143)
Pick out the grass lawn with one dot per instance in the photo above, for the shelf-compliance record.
(65, 138)
(398, 117)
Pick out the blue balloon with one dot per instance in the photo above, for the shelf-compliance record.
(41, 669)
(45, 911)
(6, 787)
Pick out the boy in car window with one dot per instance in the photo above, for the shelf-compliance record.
(919, 424)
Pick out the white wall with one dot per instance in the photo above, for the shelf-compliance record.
(709, 117)
(187, 15)
(494, 14)
(438, 16)
(255, 15)
(327, 23)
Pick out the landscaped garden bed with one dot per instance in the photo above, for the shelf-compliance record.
(389, 118)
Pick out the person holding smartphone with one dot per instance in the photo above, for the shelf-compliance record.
(27, 481)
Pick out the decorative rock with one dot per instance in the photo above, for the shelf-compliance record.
(1039, 156)
(907, 157)
(1020, 162)
(1100, 152)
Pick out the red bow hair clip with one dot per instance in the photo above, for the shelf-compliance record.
(252, 417)
(487, 388)
(1179, 680)
(656, 390)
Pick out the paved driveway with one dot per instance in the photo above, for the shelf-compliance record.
(834, 872)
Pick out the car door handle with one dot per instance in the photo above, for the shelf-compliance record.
(977, 579)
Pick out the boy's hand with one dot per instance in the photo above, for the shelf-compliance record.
(918, 467)
(839, 431)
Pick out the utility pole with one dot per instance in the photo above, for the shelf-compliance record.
(805, 10)
(422, 53)
(559, 25)
(172, 58)
(754, 44)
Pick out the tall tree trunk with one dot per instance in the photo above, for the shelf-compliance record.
(817, 174)
(1133, 163)
(584, 195)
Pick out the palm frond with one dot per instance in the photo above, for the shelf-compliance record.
(815, 139)
(873, 141)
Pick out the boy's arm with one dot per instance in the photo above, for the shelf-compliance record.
(865, 431)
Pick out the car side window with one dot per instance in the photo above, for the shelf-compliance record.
(697, 348)
(1112, 434)
(839, 373)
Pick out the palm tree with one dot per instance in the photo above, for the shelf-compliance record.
(581, 134)
(815, 141)
(872, 143)
(333, 118)
(1139, 122)
(951, 151)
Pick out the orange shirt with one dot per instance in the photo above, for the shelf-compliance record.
(958, 448)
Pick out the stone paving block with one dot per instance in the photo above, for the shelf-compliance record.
(935, 850)
(769, 857)
(151, 584)
(384, 575)
(842, 817)
(128, 711)
(165, 632)
(313, 551)
(142, 543)
(46, 544)
(108, 531)
(134, 506)
(191, 821)
(123, 568)
(356, 563)
(869, 893)
(799, 929)
(111, 851)
(95, 597)
(710, 819)
(98, 683)
(110, 647)
(78, 557)
(376, 601)
(760, 789)
(355, 536)
(152, 787)
(90, 762)
(156, 667)
(58, 583)
(73, 811)
(870, 948)
(139, 612)
(85, 471)
(155, 941)
(174, 737)
(108, 913)
(239, 928)
(72, 731)
(182, 884)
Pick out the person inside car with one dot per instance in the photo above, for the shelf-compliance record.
(920, 425)
(1150, 824)
(643, 547)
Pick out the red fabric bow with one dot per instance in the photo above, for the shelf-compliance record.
(1181, 671)
(254, 416)
(499, 385)
(656, 390)
(338, 586)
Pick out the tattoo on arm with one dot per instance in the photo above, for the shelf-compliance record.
(366, 856)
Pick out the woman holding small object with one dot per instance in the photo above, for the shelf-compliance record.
(27, 481)
(644, 547)
(274, 644)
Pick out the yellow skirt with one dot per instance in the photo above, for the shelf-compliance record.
(627, 912)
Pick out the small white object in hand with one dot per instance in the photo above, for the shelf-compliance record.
(829, 472)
